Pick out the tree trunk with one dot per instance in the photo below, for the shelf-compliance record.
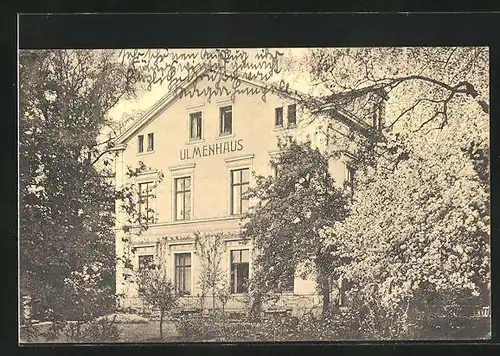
(324, 284)
(161, 323)
(325, 291)
(202, 303)
(255, 307)
(213, 300)
(223, 322)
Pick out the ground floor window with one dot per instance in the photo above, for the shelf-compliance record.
(183, 273)
(239, 271)
(145, 261)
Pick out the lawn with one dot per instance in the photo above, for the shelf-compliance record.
(129, 333)
(149, 332)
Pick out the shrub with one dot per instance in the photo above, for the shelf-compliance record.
(286, 328)
(195, 328)
(28, 333)
(102, 330)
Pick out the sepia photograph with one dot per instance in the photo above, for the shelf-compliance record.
(254, 194)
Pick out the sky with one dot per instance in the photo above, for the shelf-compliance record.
(293, 70)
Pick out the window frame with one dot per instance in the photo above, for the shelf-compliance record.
(144, 254)
(350, 177)
(234, 282)
(276, 111)
(151, 142)
(294, 123)
(222, 121)
(350, 173)
(183, 192)
(183, 267)
(150, 201)
(200, 126)
(377, 122)
(232, 186)
(185, 170)
(140, 143)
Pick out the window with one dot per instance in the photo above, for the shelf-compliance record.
(226, 120)
(195, 125)
(140, 147)
(239, 271)
(292, 115)
(183, 273)
(239, 186)
(278, 116)
(349, 175)
(145, 261)
(146, 197)
(151, 143)
(183, 198)
(274, 171)
(377, 117)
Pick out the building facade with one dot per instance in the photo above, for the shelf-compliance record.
(208, 149)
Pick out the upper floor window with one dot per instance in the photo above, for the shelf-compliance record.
(278, 116)
(274, 171)
(239, 186)
(146, 198)
(239, 270)
(377, 116)
(183, 198)
(226, 120)
(183, 273)
(140, 141)
(350, 175)
(292, 115)
(151, 142)
(195, 125)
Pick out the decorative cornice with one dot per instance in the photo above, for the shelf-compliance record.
(180, 167)
(240, 158)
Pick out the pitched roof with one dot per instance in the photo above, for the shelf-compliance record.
(173, 94)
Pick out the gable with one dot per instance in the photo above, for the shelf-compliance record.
(206, 85)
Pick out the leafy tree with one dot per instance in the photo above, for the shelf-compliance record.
(157, 289)
(423, 87)
(212, 278)
(417, 239)
(85, 296)
(414, 194)
(133, 221)
(440, 74)
(66, 195)
(289, 213)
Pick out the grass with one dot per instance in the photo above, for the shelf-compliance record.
(149, 332)
(129, 333)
